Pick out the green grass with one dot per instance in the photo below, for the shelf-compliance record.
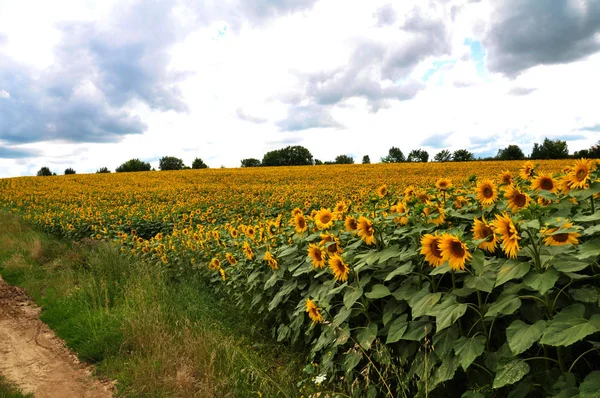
(7, 390)
(155, 336)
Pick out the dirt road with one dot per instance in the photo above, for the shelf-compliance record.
(33, 358)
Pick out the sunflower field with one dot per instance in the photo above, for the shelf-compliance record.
(477, 279)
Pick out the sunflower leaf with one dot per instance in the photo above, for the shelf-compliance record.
(447, 312)
(510, 373)
(590, 388)
(591, 248)
(378, 291)
(397, 329)
(352, 294)
(510, 270)
(521, 336)
(366, 336)
(541, 282)
(505, 305)
(468, 349)
(404, 269)
(569, 326)
(424, 305)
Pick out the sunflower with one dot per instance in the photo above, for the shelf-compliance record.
(250, 231)
(324, 219)
(271, 260)
(300, 223)
(230, 259)
(454, 251)
(517, 200)
(580, 174)
(331, 243)
(382, 191)
(423, 197)
(435, 214)
(214, 264)
(234, 233)
(340, 207)
(545, 182)
(430, 249)
(222, 272)
(486, 192)
(460, 201)
(248, 251)
(366, 231)
(543, 201)
(528, 170)
(400, 208)
(296, 211)
(409, 191)
(313, 312)
(350, 223)
(506, 178)
(317, 255)
(339, 267)
(561, 238)
(443, 184)
(483, 230)
(510, 236)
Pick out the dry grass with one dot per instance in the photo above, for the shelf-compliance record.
(16, 261)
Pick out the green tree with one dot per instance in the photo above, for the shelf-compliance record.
(511, 152)
(462, 155)
(288, 156)
(550, 149)
(344, 159)
(170, 163)
(443, 156)
(318, 162)
(103, 170)
(199, 164)
(133, 165)
(44, 172)
(70, 171)
(250, 162)
(418, 155)
(395, 155)
(366, 159)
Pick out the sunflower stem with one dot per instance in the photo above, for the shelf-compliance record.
(536, 253)
(487, 338)
(592, 204)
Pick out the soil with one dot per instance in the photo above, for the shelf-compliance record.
(33, 358)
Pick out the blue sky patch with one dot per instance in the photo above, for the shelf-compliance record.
(477, 55)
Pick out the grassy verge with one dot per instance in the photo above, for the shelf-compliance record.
(154, 336)
(7, 390)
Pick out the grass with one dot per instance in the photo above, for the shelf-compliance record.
(7, 390)
(154, 336)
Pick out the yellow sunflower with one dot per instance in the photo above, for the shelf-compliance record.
(248, 251)
(564, 238)
(423, 197)
(332, 244)
(400, 208)
(430, 249)
(271, 260)
(300, 223)
(324, 219)
(443, 184)
(250, 231)
(350, 223)
(317, 256)
(313, 312)
(580, 174)
(510, 236)
(528, 170)
(454, 251)
(506, 178)
(483, 230)
(517, 199)
(487, 193)
(409, 191)
(435, 214)
(545, 182)
(222, 272)
(230, 259)
(339, 267)
(296, 211)
(214, 264)
(382, 191)
(366, 231)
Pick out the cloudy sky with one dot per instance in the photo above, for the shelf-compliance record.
(93, 83)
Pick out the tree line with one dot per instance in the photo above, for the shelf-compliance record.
(300, 156)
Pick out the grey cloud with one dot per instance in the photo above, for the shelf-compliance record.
(248, 118)
(595, 128)
(436, 141)
(519, 91)
(307, 117)
(292, 140)
(526, 33)
(385, 15)
(568, 137)
(16, 153)
(259, 10)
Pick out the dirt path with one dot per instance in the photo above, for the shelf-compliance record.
(33, 358)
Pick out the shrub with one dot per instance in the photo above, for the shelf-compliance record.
(133, 165)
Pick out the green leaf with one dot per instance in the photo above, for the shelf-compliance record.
(541, 282)
(568, 327)
(510, 373)
(468, 349)
(478, 261)
(443, 342)
(506, 305)
(378, 291)
(367, 335)
(448, 312)
(534, 224)
(424, 305)
(472, 394)
(521, 336)
(445, 371)
(417, 330)
(390, 252)
(404, 269)
(591, 248)
(588, 218)
(569, 265)
(352, 294)
(590, 388)
(484, 282)
(585, 294)
(351, 360)
(342, 316)
(442, 269)
(510, 270)
(397, 329)
(593, 230)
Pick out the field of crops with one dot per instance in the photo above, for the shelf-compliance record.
(473, 279)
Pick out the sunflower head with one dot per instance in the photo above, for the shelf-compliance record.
(454, 251)
(313, 311)
(296, 211)
(517, 200)
(527, 171)
(409, 191)
(561, 236)
(317, 256)
(430, 249)
(300, 223)
(487, 193)
(382, 191)
(230, 259)
(510, 236)
(366, 230)
(339, 267)
(544, 182)
(443, 184)
(222, 272)
(248, 252)
(580, 174)
(483, 230)
(324, 219)
(506, 178)
(351, 224)
(214, 264)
